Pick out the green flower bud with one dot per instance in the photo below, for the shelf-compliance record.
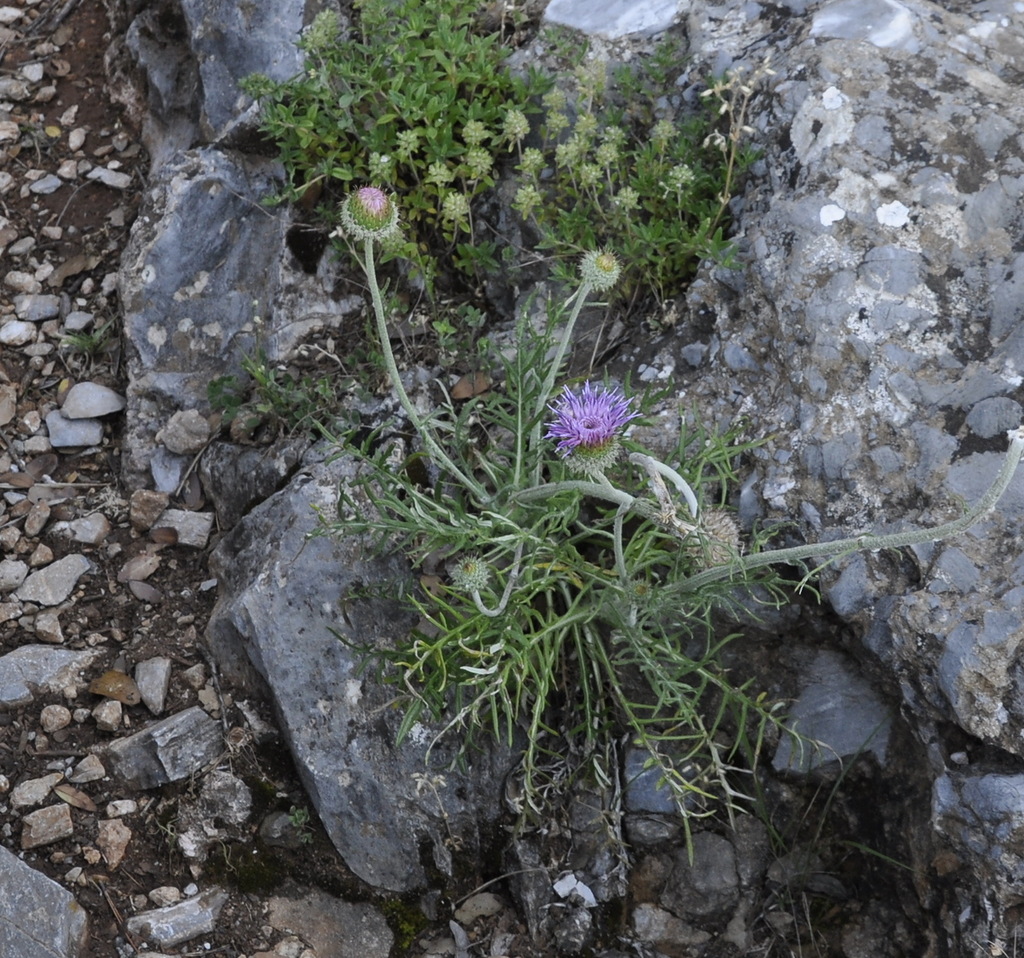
(600, 269)
(470, 574)
(369, 213)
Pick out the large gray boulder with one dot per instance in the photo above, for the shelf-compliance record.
(876, 333)
(38, 918)
(292, 612)
(203, 260)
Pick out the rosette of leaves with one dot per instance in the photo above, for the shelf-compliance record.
(414, 100)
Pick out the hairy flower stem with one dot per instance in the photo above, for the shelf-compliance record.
(867, 542)
(439, 456)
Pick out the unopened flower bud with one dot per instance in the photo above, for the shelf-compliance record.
(369, 213)
(470, 574)
(600, 270)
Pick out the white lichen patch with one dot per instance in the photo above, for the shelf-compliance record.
(156, 336)
(194, 288)
(895, 214)
(830, 213)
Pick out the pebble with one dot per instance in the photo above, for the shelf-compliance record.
(32, 669)
(121, 807)
(144, 508)
(193, 528)
(73, 433)
(9, 15)
(36, 307)
(46, 184)
(47, 627)
(76, 139)
(20, 247)
(180, 922)
(12, 573)
(22, 282)
(17, 332)
(34, 791)
(165, 895)
(90, 769)
(33, 72)
(91, 529)
(186, 432)
(112, 840)
(37, 518)
(77, 320)
(46, 826)
(54, 717)
(111, 178)
(90, 400)
(52, 584)
(108, 715)
(153, 677)
(13, 89)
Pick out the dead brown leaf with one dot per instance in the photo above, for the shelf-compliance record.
(470, 385)
(117, 685)
(75, 798)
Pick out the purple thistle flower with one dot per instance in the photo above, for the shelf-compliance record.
(587, 425)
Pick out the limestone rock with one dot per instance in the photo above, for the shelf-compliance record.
(186, 323)
(38, 918)
(52, 584)
(90, 401)
(46, 826)
(167, 751)
(32, 668)
(183, 921)
(333, 926)
(362, 784)
(186, 432)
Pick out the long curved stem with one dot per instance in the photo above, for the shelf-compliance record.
(868, 542)
(433, 448)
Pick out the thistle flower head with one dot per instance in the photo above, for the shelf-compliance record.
(369, 213)
(587, 425)
(600, 269)
(470, 574)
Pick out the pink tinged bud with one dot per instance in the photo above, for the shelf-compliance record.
(369, 213)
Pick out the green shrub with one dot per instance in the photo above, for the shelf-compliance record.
(415, 101)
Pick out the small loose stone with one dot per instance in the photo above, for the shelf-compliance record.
(46, 826)
(108, 715)
(54, 717)
(90, 769)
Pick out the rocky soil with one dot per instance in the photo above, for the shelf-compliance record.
(117, 589)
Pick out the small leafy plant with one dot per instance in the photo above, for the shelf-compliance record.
(416, 99)
(273, 399)
(570, 581)
(611, 169)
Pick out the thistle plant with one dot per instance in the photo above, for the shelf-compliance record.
(573, 583)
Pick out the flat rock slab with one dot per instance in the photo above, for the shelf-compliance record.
(38, 918)
(167, 751)
(40, 668)
(332, 926)
(184, 921)
(52, 584)
(613, 18)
